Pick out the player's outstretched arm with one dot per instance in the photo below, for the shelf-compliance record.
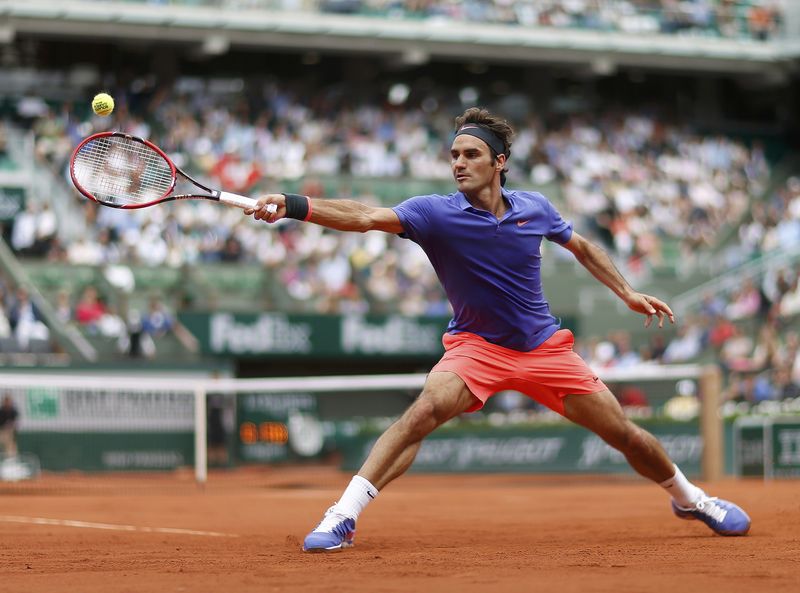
(600, 265)
(342, 215)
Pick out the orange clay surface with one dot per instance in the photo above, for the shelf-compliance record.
(488, 533)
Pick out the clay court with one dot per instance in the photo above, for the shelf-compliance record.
(425, 533)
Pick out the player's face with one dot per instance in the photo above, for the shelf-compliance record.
(472, 162)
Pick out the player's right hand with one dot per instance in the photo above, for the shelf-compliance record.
(261, 211)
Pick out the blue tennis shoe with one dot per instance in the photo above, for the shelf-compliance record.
(722, 516)
(334, 533)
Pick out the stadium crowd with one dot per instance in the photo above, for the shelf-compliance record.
(636, 182)
(633, 181)
(756, 19)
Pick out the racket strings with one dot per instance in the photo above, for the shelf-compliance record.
(122, 171)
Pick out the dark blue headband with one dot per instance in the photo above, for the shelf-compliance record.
(490, 138)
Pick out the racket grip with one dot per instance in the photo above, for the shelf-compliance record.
(242, 201)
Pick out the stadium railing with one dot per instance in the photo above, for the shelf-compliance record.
(731, 280)
(69, 337)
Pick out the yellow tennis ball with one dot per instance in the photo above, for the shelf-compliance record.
(103, 104)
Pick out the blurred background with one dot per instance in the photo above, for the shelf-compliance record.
(667, 130)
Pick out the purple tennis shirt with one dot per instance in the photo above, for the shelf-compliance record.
(489, 268)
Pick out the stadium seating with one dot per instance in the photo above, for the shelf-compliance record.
(732, 18)
(656, 191)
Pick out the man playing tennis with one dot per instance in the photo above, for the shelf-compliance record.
(484, 243)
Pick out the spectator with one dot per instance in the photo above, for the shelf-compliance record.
(3, 141)
(63, 307)
(741, 389)
(158, 322)
(785, 387)
(624, 356)
(89, 309)
(8, 426)
(686, 345)
(745, 302)
(217, 434)
(656, 349)
(762, 20)
(789, 304)
(110, 324)
(736, 348)
(26, 320)
(721, 331)
(23, 233)
(135, 342)
(232, 250)
(45, 233)
(632, 396)
(5, 324)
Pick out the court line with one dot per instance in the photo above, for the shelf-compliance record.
(108, 526)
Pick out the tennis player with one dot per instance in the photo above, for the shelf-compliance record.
(484, 242)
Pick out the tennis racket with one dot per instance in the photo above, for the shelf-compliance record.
(124, 171)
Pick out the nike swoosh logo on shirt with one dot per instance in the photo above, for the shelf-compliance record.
(522, 222)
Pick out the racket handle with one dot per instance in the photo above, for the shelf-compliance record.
(242, 201)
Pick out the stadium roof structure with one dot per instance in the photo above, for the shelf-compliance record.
(216, 30)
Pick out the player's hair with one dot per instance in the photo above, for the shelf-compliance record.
(498, 126)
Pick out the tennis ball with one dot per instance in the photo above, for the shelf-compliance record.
(103, 104)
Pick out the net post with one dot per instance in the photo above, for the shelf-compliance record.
(200, 438)
(712, 461)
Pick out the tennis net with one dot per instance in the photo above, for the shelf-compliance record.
(190, 430)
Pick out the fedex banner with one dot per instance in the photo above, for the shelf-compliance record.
(316, 335)
(332, 336)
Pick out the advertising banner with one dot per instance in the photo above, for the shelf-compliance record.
(276, 334)
(542, 449)
(320, 336)
(106, 429)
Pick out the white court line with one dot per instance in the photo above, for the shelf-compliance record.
(109, 526)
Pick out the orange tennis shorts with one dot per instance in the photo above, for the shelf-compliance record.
(546, 374)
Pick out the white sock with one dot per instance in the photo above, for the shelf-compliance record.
(682, 490)
(356, 496)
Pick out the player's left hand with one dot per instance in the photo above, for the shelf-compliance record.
(651, 307)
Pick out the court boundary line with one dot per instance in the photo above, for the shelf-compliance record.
(108, 526)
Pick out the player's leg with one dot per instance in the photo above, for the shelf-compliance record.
(601, 413)
(444, 396)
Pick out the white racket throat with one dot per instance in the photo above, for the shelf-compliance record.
(243, 202)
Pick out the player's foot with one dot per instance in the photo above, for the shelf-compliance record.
(334, 533)
(722, 516)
